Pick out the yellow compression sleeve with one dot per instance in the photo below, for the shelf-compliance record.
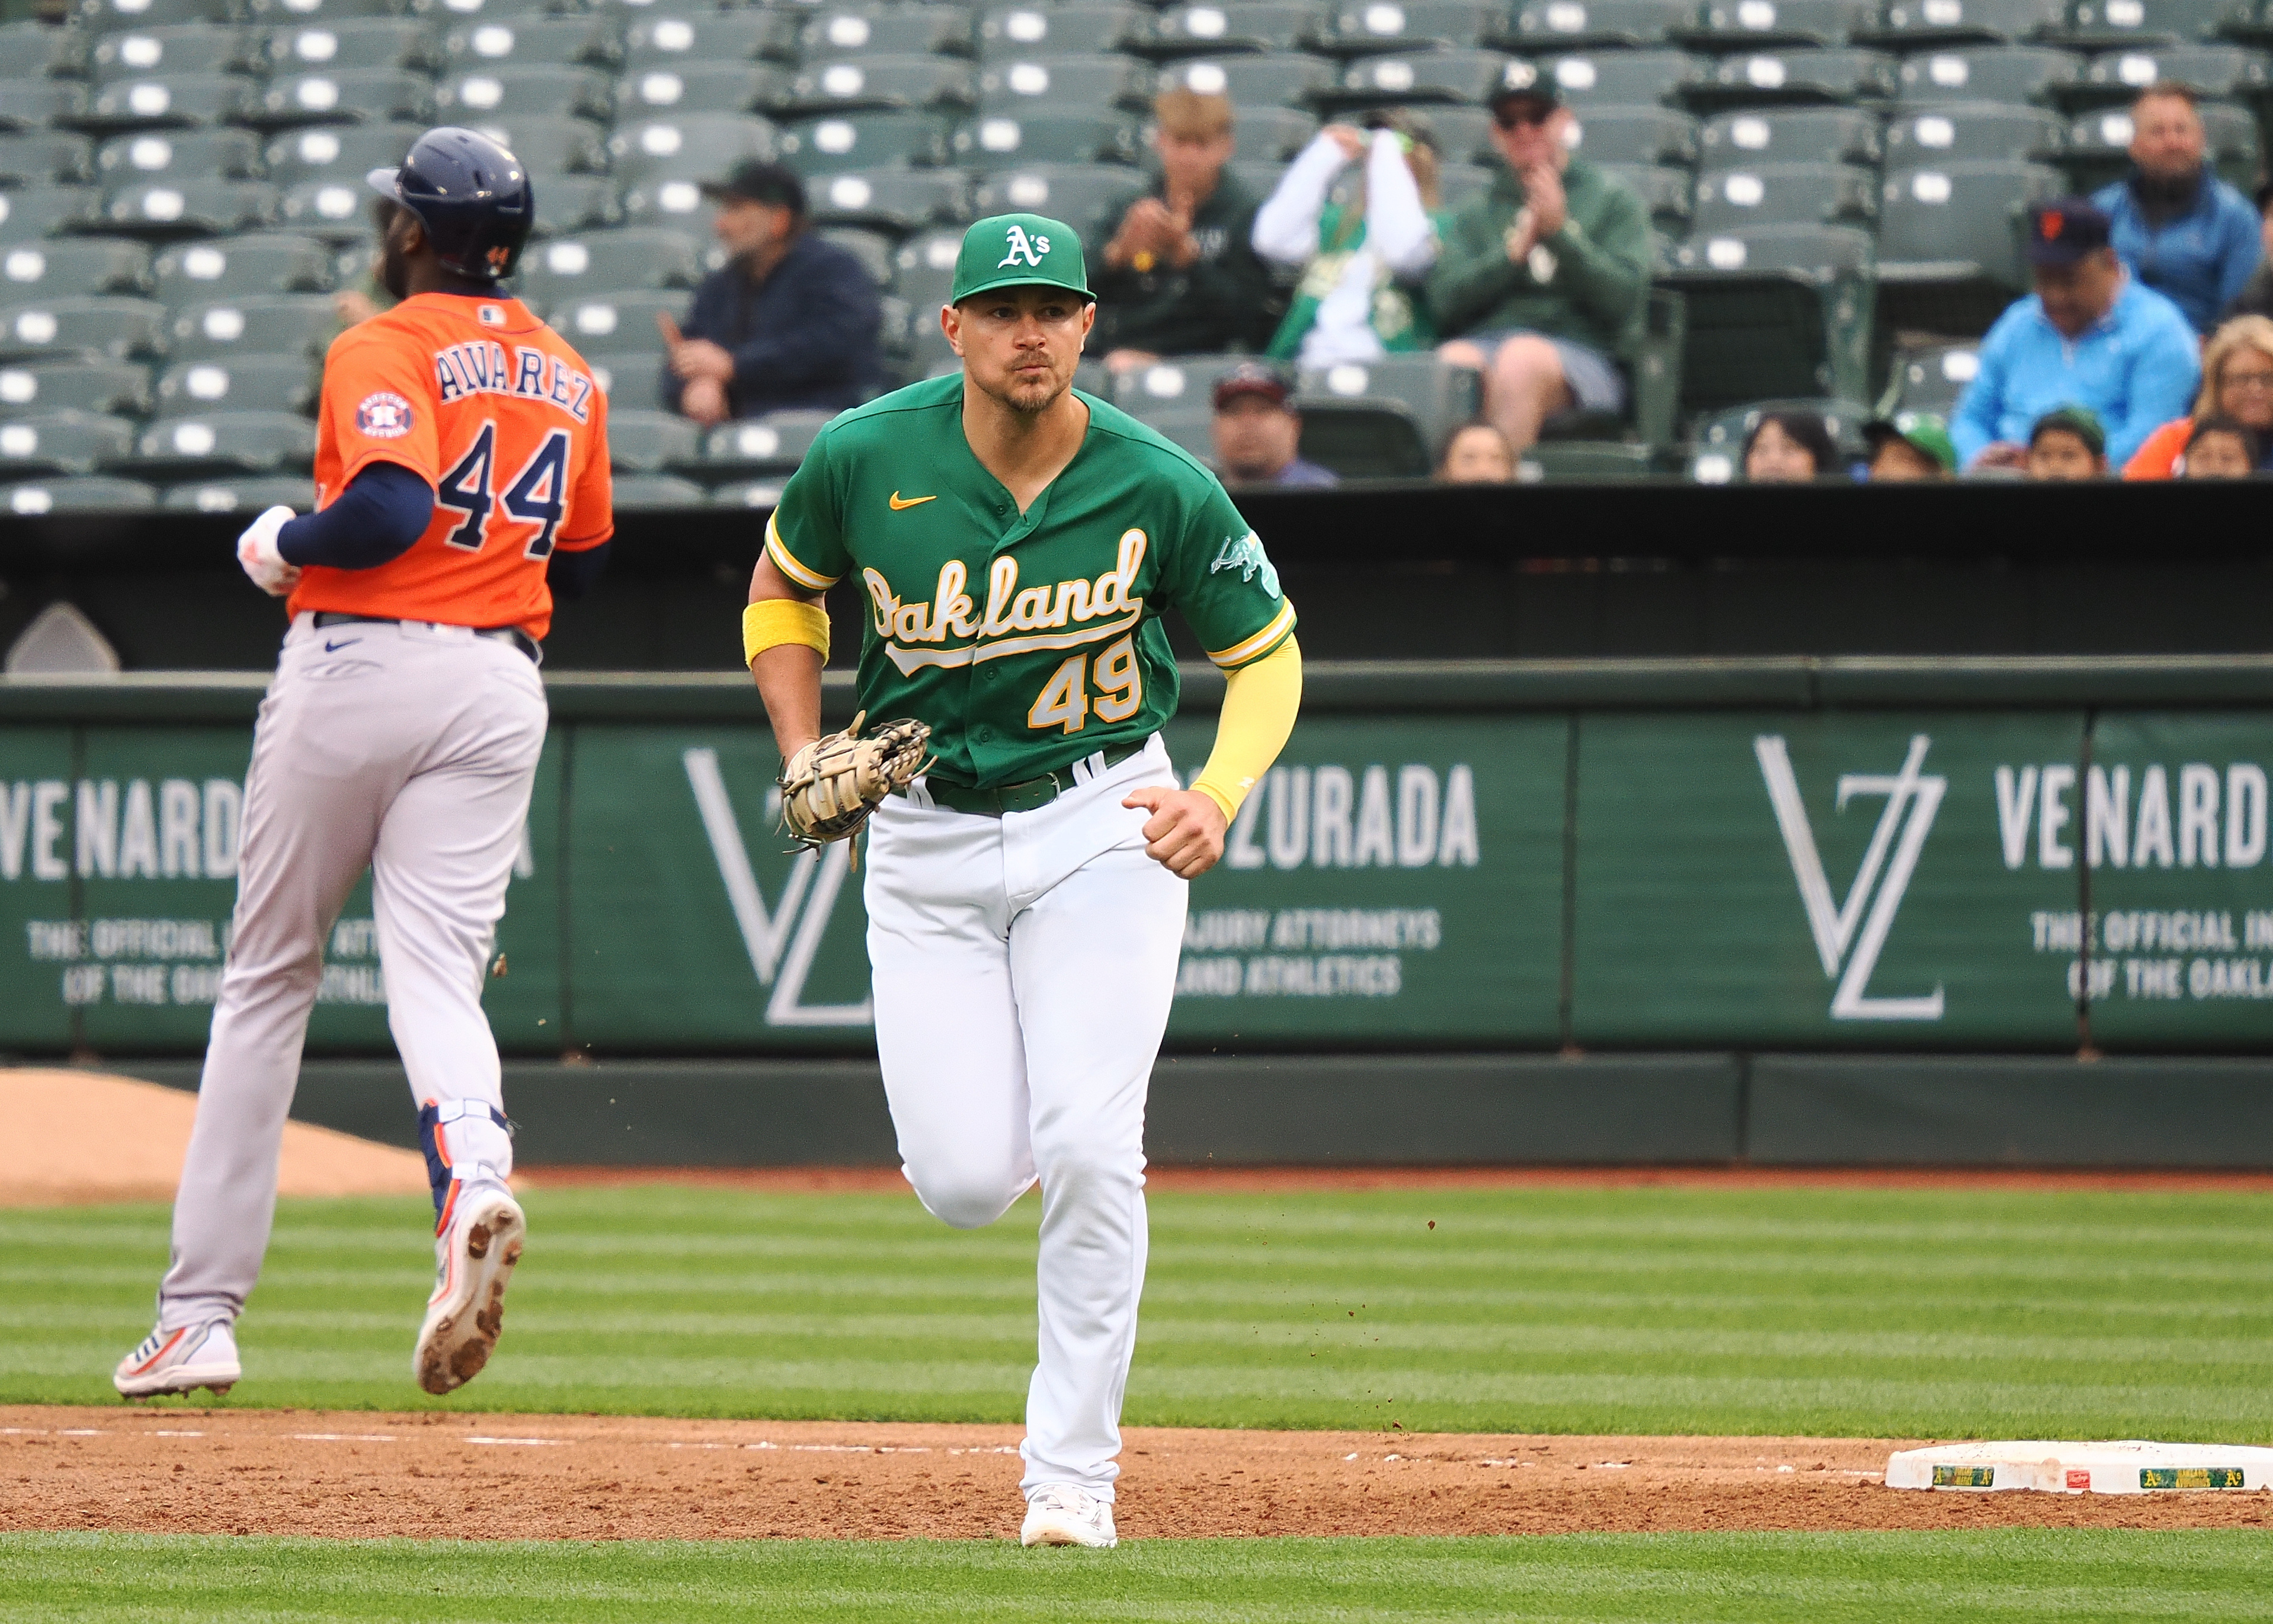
(771, 621)
(1259, 702)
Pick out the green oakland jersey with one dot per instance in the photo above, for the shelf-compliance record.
(1026, 641)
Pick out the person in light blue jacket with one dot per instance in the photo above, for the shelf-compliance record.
(2089, 336)
(2181, 230)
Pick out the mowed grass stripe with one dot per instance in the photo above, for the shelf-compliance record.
(2010, 1576)
(1859, 1312)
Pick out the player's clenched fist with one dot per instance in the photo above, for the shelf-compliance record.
(255, 550)
(1185, 832)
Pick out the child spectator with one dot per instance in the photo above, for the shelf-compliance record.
(1477, 455)
(2220, 448)
(1787, 448)
(1914, 446)
(2067, 443)
(2236, 383)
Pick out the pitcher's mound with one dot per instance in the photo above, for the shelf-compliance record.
(87, 1136)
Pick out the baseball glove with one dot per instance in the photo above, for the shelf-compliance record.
(829, 788)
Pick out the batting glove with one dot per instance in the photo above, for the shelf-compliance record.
(255, 550)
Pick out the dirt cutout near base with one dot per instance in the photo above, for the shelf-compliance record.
(87, 1136)
(174, 1467)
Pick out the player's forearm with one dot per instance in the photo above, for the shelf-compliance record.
(1259, 703)
(785, 640)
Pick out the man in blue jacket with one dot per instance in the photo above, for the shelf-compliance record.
(2089, 336)
(2184, 232)
(789, 321)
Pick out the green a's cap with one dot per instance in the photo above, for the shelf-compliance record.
(1924, 430)
(1017, 250)
(2080, 421)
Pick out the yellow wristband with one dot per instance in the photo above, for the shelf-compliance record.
(775, 621)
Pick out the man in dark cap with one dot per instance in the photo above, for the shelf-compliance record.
(789, 321)
(2089, 336)
(1257, 430)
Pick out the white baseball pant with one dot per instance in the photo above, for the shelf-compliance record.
(409, 749)
(1024, 967)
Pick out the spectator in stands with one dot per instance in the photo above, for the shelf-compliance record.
(2181, 230)
(2089, 335)
(2257, 296)
(1477, 455)
(2236, 383)
(1789, 448)
(1364, 260)
(1910, 446)
(1259, 432)
(2067, 443)
(789, 321)
(1178, 275)
(2220, 448)
(1543, 281)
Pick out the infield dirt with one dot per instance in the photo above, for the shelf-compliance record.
(171, 1468)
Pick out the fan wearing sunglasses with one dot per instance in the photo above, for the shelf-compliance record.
(1543, 280)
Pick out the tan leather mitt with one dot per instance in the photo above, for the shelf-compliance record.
(829, 788)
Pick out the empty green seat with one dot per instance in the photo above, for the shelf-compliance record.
(2022, 73)
(1017, 29)
(568, 203)
(628, 377)
(873, 246)
(352, 95)
(1775, 310)
(63, 443)
(1785, 194)
(228, 154)
(1579, 24)
(562, 269)
(1089, 197)
(46, 158)
(885, 30)
(1624, 79)
(238, 384)
(242, 496)
(110, 16)
(336, 210)
(641, 440)
(1434, 396)
(174, 205)
(880, 82)
(619, 319)
(1738, 25)
(82, 324)
(1790, 135)
(2115, 24)
(459, 10)
(106, 388)
(774, 444)
(1469, 76)
(1289, 80)
(691, 35)
(189, 274)
(91, 492)
(898, 200)
(1171, 381)
(41, 50)
(1959, 222)
(1612, 134)
(280, 13)
(581, 40)
(923, 267)
(344, 152)
(636, 493)
(36, 103)
(47, 211)
(1002, 139)
(692, 146)
(1670, 194)
(179, 48)
(2221, 72)
(271, 324)
(546, 144)
(1800, 74)
(1209, 28)
(759, 493)
(336, 45)
(171, 100)
(60, 266)
(503, 90)
(861, 141)
(692, 89)
(1932, 376)
(1910, 25)
(1962, 131)
(1364, 27)
(1047, 83)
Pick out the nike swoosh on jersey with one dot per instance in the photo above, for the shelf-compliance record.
(898, 505)
(345, 643)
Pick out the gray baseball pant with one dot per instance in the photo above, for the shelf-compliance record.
(409, 749)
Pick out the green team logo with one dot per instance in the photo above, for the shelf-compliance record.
(1245, 554)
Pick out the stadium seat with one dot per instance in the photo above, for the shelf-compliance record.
(774, 444)
(175, 98)
(1625, 78)
(872, 247)
(1001, 140)
(284, 13)
(2096, 146)
(924, 268)
(41, 50)
(1433, 396)
(106, 388)
(268, 324)
(1964, 131)
(1583, 462)
(1931, 377)
(173, 207)
(644, 441)
(110, 16)
(1052, 84)
(163, 52)
(639, 492)
(228, 154)
(1785, 194)
(1193, 427)
(459, 10)
(94, 491)
(903, 83)
(1839, 78)
(359, 96)
(619, 319)
(64, 265)
(1017, 30)
(244, 442)
(47, 211)
(631, 377)
(1743, 25)
(339, 45)
(1170, 382)
(690, 35)
(1611, 134)
(572, 203)
(578, 40)
(1718, 442)
(1457, 76)
(1254, 81)
(563, 269)
(2221, 72)
(1593, 24)
(686, 146)
(1775, 310)
(1463, 134)
(46, 158)
(861, 141)
(547, 145)
(1458, 183)
(1210, 28)
(1670, 194)
(86, 326)
(1790, 135)
(63, 443)
(1260, 179)
(238, 383)
(1913, 24)
(898, 200)
(1959, 222)
(1275, 134)
(242, 496)
(748, 493)
(1089, 197)
(505, 90)
(2114, 25)
(36, 104)
(1367, 27)
(338, 210)
(199, 273)
(694, 89)
(343, 152)
(2022, 73)
(886, 30)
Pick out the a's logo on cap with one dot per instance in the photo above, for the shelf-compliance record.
(1023, 248)
(383, 416)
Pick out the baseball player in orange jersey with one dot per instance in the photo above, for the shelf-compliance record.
(462, 476)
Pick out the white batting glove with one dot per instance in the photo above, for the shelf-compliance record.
(255, 550)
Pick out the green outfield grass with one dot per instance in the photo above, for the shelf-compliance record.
(2022, 1576)
(1930, 1312)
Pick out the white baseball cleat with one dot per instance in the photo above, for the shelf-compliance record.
(182, 1361)
(479, 1242)
(1059, 1513)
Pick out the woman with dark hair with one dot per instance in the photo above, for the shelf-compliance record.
(1789, 448)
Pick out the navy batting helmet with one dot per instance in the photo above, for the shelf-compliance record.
(472, 196)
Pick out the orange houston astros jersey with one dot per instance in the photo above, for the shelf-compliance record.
(496, 412)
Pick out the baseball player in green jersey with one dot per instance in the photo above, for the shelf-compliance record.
(1015, 544)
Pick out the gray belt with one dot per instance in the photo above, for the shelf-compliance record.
(514, 635)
